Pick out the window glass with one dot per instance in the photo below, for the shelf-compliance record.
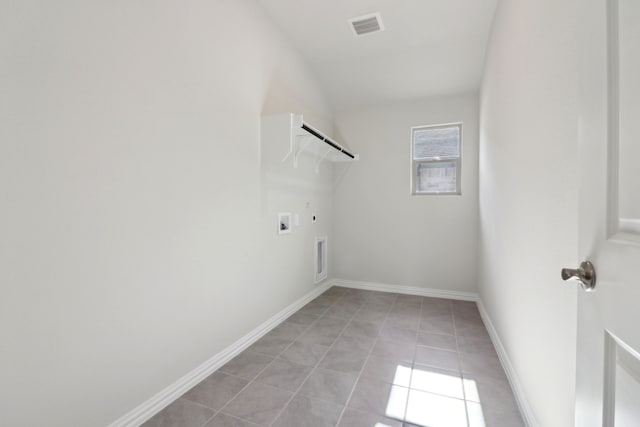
(438, 143)
(436, 159)
(437, 177)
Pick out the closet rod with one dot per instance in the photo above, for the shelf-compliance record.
(321, 137)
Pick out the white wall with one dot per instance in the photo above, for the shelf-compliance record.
(384, 234)
(528, 197)
(134, 242)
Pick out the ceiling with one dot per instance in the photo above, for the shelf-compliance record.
(428, 47)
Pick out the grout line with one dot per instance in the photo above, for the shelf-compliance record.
(375, 341)
(245, 387)
(212, 417)
(268, 365)
(316, 366)
(251, 424)
(215, 412)
(464, 392)
(413, 363)
(196, 403)
(279, 358)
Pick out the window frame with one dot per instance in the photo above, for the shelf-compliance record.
(457, 160)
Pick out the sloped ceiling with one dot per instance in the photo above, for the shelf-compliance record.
(428, 47)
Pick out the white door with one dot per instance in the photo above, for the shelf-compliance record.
(608, 349)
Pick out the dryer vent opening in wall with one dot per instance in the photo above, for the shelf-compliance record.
(320, 256)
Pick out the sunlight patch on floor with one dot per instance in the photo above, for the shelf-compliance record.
(435, 398)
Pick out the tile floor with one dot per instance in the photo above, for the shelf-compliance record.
(354, 358)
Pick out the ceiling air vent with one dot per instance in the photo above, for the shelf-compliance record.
(366, 24)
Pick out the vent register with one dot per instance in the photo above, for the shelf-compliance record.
(366, 24)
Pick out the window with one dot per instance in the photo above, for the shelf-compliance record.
(436, 159)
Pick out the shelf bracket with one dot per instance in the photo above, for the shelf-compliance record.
(302, 145)
(320, 159)
(284, 159)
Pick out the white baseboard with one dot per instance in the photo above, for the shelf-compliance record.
(155, 404)
(516, 385)
(408, 290)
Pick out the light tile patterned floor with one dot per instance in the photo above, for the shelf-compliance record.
(354, 358)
